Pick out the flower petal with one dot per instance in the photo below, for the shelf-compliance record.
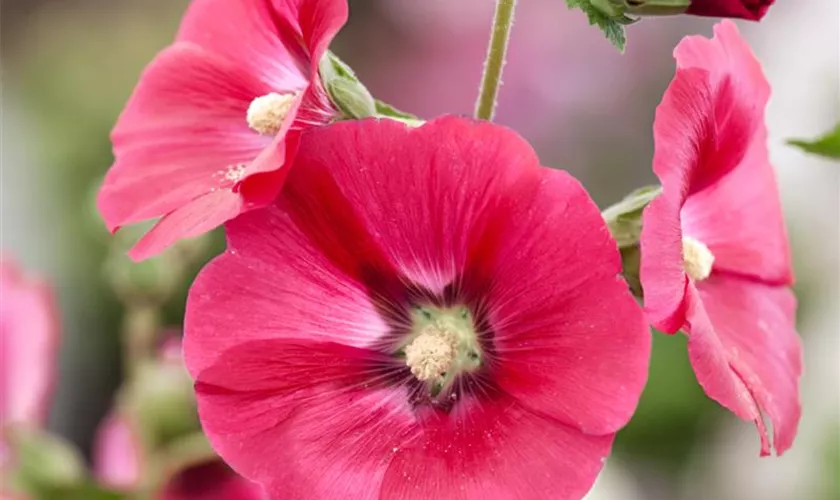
(739, 93)
(420, 195)
(740, 219)
(746, 353)
(661, 270)
(29, 337)
(203, 214)
(570, 340)
(181, 132)
(280, 40)
(752, 10)
(320, 21)
(307, 419)
(680, 128)
(496, 449)
(726, 54)
(117, 453)
(247, 31)
(274, 282)
(210, 480)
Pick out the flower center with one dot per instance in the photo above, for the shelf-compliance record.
(697, 259)
(266, 113)
(442, 345)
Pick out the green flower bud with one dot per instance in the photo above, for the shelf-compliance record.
(41, 461)
(160, 396)
(345, 90)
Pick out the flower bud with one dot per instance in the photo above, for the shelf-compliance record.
(752, 10)
(345, 90)
(161, 399)
(41, 461)
(624, 220)
(150, 281)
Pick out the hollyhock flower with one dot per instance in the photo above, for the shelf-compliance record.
(423, 313)
(28, 346)
(203, 137)
(753, 10)
(715, 256)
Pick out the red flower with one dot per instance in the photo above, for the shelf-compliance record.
(424, 313)
(202, 138)
(29, 337)
(715, 256)
(753, 10)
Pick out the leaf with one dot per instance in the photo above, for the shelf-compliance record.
(86, 491)
(828, 145)
(612, 26)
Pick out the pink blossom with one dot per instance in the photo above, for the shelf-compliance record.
(29, 337)
(206, 133)
(423, 313)
(117, 458)
(715, 256)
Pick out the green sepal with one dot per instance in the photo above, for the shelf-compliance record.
(656, 7)
(828, 145)
(624, 219)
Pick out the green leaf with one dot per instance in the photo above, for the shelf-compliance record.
(82, 492)
(828, 145)
(612, 26)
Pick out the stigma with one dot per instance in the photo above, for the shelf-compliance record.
(443, 344)
(266, 113)
(697, 259)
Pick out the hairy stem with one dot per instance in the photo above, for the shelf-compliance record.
(493, 65)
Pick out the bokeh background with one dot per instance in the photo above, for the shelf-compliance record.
(68, 66)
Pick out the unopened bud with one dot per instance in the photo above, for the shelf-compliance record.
(161, 398)
(348, 94)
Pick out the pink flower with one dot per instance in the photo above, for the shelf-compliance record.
(715, 256)
(117, 458)
(29, 337)
(203, 137)
(423, 313)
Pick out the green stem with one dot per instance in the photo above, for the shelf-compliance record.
(141, 324)
(502, 22)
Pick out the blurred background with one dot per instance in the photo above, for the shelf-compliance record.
(68, 66)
